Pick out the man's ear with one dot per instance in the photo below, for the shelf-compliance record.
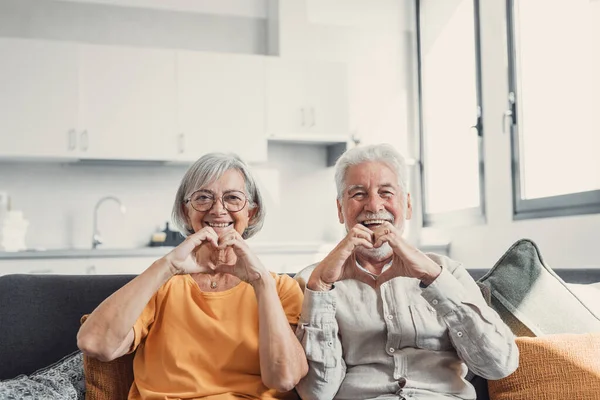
(339, 208)
(408, 207)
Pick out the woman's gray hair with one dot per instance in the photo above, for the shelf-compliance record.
(207, 169)
(383, 152)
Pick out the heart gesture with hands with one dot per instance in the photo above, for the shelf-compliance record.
(205, 252)
(407, 260)
(340, 263)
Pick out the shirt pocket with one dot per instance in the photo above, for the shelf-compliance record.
(431, 332)
(319, 346)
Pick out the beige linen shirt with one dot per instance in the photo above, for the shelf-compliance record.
(402, 340)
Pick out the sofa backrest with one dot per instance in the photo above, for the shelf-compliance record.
(40, 314)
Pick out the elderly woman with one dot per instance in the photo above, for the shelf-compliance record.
(207, 320)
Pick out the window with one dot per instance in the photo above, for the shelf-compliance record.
(554, 99)
(450, 111)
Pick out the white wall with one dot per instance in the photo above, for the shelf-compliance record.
(299, 187)
(58, 199)
(564, 241)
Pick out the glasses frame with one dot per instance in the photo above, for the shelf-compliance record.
(189, 201)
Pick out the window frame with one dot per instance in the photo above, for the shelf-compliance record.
(466, 216)
(552, 206)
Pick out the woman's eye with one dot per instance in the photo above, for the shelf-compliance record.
(202, 197)
(232, 197)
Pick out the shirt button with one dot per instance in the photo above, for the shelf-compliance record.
(434, 302)
(330, 307)
(390, 317)
(459, 334)
(392, 350)
(330, 343)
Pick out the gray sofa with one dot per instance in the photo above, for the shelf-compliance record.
(39, 315)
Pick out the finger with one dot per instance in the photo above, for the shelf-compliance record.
(386, 233)
(362, 242)
(362, 228)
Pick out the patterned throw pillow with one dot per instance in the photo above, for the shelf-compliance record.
(531, 299)
(553, 367)
(62, 380)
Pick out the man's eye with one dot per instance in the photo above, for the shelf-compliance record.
(386, 194)
(358, 195)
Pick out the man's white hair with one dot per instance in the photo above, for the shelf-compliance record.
(383, 152)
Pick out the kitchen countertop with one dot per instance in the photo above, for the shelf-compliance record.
(258, 247)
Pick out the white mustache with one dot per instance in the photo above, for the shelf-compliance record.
(380, 215)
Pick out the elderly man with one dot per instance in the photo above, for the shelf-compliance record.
(381, 319)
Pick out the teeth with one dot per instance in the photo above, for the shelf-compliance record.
(222, 225)
(374, 221)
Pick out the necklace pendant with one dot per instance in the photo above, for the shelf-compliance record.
(213, 285)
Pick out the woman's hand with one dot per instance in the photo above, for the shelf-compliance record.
(245, 265)
(191, 256)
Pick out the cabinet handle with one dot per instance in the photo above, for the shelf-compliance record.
(314, 117)
(181, 143)
(72, 139)
(84, 141)
(303, 117)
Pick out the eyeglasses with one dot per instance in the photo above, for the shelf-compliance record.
(203, 200)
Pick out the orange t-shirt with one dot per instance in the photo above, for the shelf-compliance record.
(193, 344)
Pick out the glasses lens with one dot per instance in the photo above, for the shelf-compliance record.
(234, 201)
(202, 201)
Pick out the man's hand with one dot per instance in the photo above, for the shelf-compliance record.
(340, 263)
(408, 261)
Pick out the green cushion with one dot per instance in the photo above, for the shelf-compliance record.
(531, 299)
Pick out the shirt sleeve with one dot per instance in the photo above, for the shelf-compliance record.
(290, 296)
(143, 323)
(480, 337)
(318, 332)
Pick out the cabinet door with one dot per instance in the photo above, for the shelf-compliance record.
(127, 108)
(307, 99)
(38, 98)
(328, 98)
(287, 100)
(221, 105)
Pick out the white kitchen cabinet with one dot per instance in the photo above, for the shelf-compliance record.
(127, 103)
(221, 105)
(38, 98)
(306, 98)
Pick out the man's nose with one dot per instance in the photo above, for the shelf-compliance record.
(374, 204)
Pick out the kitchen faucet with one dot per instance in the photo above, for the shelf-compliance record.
(96, 239)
